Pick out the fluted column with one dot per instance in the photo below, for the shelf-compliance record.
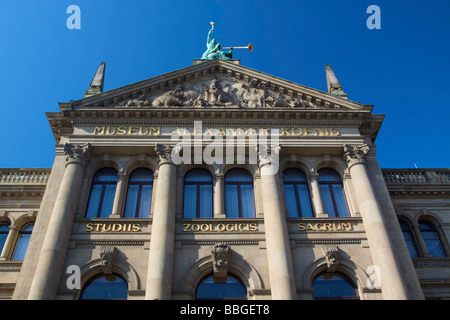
(383, 254)
(54, 247)
(281, 270)
(160, 265)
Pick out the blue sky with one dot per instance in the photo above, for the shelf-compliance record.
(402, 68)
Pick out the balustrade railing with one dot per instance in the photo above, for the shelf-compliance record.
(24, 176)
(416, 176)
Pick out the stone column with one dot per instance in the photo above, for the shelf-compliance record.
(119, 196)
(316, 196)
(160, 264)
(51, 261)
(383, 254)
(281, 269)
(219, 196)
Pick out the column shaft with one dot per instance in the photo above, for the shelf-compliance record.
(383, 255)
(281, 270)
(160, 265)
(316, 197)
(51, 261)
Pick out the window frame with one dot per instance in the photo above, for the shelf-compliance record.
(102, 194)
(198, 184)
(439, 237)
(343, 276)
(18, 239)
(330, 188)
(138, 200)
(239, 196)
(297, 198)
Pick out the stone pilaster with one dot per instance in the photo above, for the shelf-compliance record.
(281, 270)
(316, 196)
(54, 247)
(160, 265)
(383, 254)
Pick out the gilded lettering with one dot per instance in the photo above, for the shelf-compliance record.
(89, 227)
(99, 130)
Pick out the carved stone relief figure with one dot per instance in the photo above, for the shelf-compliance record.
(220, 255)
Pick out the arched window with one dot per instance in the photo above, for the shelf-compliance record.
(334, 286)
(198, 194)
(102, 194)
(22, 241)
(409, 239)
(226, 289)
(296, 191)
(332, 192)
(239, 202)
(4, 230)
(105, 287)
(139, 194)
(431, 238)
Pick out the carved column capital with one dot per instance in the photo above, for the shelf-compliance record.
(165, 152)
(354, 154)
(267, 155)
(77, 153)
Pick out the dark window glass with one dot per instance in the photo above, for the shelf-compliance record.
(229, 288)
(333, 286)
(409, 239)
(139, 194)
(239, 201)
(105, 287)
(4, 230)
(332, 192)
(22, 241)
(198, 194)
(431, 238)
(102, 194)
(296, 191)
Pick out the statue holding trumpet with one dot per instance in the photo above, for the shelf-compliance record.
(214, 49)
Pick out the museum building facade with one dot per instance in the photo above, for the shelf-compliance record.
(217, 181)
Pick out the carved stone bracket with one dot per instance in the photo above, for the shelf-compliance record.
(220, 255)
(354, 154)
(77, 153)
(331, 257)
(107, 254)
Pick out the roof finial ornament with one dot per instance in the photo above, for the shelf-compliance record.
(96, 86)
(334, 87)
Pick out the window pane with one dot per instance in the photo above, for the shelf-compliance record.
(231, 201)
(409, 240)
(132, 196)
(229, 289)
(238, 175)
(294, 175)
(106, 175)
(146, 200)
(305, 200)
(106, 287)
(431, 238)
(247, 203)
(328, 175)
(327, 200)
(206, 201)
(190, 201)
(198, 175)
(291, 202)
(22, 242)
(4, 230)
(141, 175)
(332, 285)
(108, 201)
(340, 200)
(94, 201)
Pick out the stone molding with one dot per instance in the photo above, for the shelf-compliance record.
(77, 153)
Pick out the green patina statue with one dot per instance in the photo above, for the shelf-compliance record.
(213, 50)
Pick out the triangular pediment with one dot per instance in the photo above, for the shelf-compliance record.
(215, 84)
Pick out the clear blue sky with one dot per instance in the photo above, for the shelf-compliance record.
(402, 69)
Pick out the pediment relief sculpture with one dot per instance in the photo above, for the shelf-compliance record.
(219, 91)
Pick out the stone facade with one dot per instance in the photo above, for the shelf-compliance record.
(274, 255)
